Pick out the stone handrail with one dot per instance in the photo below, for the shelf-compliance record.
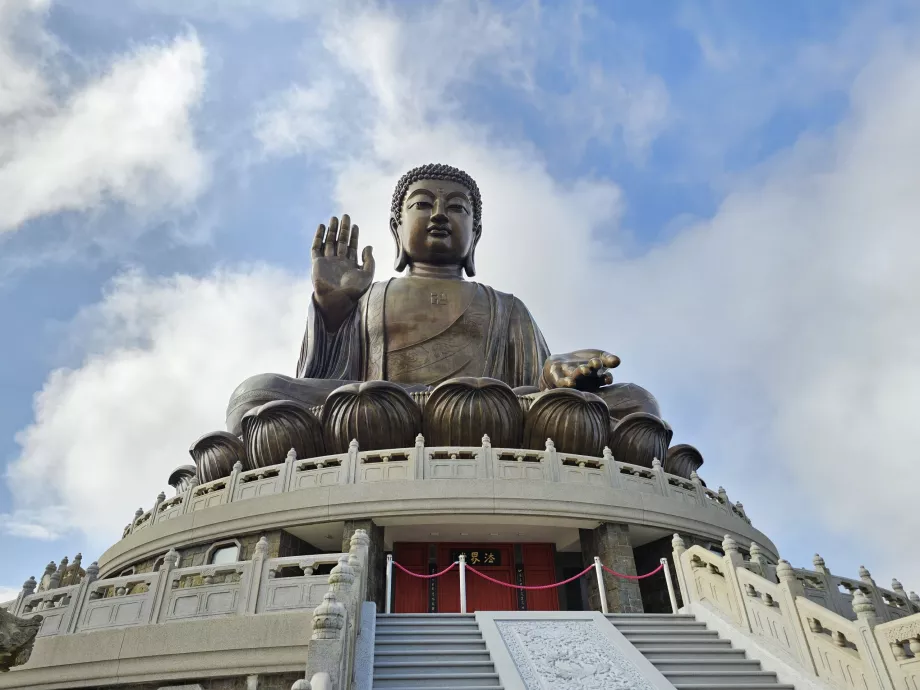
(442, 462)
(797, 615)
(261, 585)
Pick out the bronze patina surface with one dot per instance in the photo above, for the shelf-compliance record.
(429, 325)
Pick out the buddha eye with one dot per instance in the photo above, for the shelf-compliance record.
(457, 208)
(422, 205)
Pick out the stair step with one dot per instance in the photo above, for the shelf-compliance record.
(662, 620)
(456, 686)
(427, 668)
(670, 665)
(420, 622)
(439, 680)
(639, 616)
(721, 678)
(703, 654)
(416, 637)
(465, 643)
(432, 630)
(470, 654)
(697, 639)
(661, 628)
(696, 685)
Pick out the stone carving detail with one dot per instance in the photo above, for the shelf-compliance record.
(900, 633)
(378, 414)
(639, 438)
(576, 421)
(568, 655)
(17, 635)
(182, 478)
(683, 460)
(272, 429)
(459, 411)
(215, 454)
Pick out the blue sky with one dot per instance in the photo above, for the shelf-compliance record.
(724, 194)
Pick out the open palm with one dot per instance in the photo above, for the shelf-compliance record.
(338, 280)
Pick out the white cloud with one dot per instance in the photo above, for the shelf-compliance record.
(162, 357)
(124, 136)
(8, 593)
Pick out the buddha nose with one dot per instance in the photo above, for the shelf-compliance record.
(438, 217)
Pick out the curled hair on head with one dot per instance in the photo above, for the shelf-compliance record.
(436, 171)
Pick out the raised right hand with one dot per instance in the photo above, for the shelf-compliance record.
(338, 281)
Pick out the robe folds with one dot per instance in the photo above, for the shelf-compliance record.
(495, 337)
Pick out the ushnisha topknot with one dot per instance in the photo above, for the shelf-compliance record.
(436, 171)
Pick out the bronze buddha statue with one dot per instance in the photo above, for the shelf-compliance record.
(428, 328)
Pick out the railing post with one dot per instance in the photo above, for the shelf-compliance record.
(250, 595)
(351, 476)
(389, 594)
(233, 481)
(613, 472)
(462, 583)
(791, 589)
(663, 485)
(553, 461)
(485, 457)
(733, 560)
(420, 467)
(81, 597)
(678, 549)
(670, 583)
(287, 472)
(164, 588)
(601, 588)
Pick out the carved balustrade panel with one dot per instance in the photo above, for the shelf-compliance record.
(716, 501)
(816, 589)
(281, 590)
(204, 591)
(767, 614)
(142, 521)
(513, 463)
(386, 465)
(635, 478)
(453, 463)
(582, 469)
(834, 641)
(119, 602)
(706, 572)
(899, 641)
(55, 606)
(315, 472)
(683, 490)
(262, 481)
(170, 509)
(211, 494)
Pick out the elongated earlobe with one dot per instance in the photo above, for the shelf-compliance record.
(402, 259)
(469, 263)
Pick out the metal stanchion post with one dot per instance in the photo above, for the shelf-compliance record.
(389, 581)
(462, 583)
(667, 577)
(601, 590)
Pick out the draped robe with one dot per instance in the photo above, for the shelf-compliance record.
(494, 337)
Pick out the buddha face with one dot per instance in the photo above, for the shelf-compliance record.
(437, 224)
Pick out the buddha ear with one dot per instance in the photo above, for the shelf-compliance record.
(402, 259)
(469, 264)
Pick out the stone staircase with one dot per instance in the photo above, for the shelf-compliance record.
(690, 656)
(427, 651)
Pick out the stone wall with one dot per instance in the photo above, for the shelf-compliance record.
(610, 542)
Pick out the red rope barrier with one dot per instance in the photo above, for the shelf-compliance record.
(632, 577)
(424, 577)
(508, 584)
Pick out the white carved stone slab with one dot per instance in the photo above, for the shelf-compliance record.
(568, 655)
(564, 650)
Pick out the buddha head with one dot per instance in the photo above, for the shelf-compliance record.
(436, 218)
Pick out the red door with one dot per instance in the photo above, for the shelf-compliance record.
(539, 569)
(411, 593)
(481, 595)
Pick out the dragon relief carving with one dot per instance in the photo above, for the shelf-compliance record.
(568, 655)
(17, 635)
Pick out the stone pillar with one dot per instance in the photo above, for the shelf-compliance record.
(376, 558)
(610, 542)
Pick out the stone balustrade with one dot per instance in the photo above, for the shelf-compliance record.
(261, 585)
(849, 633)
(436, 463)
